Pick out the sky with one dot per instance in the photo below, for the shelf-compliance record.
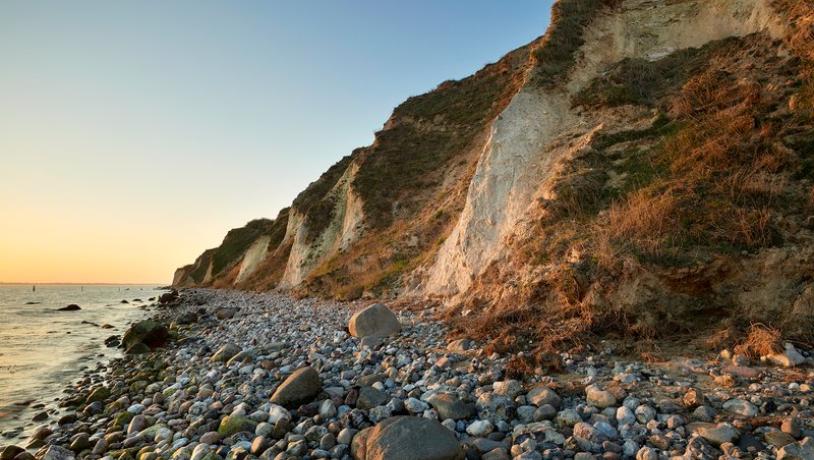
(134, 134)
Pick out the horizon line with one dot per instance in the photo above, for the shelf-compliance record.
(70, 283)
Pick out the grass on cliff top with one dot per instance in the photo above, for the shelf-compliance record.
(643, 82)
(316, 202)
(556, 55)
(236, 242)
(201, 266)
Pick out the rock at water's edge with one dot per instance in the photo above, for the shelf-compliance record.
(148, 332)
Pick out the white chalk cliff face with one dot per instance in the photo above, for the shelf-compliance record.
(523, 145)
(252, 258)
(344, 227)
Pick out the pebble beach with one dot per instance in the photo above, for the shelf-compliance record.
(235, 375)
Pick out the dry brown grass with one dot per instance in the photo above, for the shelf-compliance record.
(750, 228)
(760, 340)
(644, 221)
(711, 181)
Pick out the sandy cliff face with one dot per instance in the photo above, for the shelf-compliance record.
(523, 147)
(644, 162)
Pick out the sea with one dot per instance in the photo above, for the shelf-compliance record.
(43, 349)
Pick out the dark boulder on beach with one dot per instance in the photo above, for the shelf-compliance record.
(10, 452)
(71, 307)
(113, 341)
(169, 299)
(150, 333)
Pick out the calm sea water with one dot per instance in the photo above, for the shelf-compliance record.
(42, 349)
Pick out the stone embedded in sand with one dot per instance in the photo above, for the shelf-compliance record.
(406, 438)
(376, 320)
(71, 307)
(225, 353)
(299, 387)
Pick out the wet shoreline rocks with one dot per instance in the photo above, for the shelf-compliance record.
(279, 378)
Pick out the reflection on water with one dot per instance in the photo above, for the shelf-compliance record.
(42, 349)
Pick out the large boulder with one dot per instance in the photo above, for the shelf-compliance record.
(300, 387)
(168, 299)
(406, 438)
(148, 332)
(374, 321)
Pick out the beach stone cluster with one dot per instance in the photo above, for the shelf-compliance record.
(264, 376)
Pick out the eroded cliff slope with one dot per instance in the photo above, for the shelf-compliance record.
(645, 167)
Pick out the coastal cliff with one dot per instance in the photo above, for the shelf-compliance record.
(644, 167)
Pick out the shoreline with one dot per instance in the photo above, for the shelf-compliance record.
(46, 346)
(207, 395)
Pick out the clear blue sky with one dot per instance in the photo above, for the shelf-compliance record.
(134, 134)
